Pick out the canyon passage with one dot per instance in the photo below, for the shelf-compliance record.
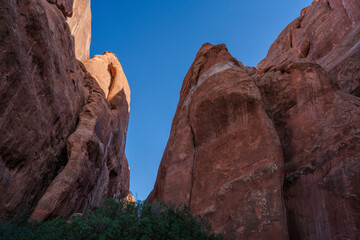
(265, 152)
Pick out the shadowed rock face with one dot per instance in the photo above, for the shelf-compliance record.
(97, 166)
(61, 140)
(318, 125)
(342, 63)
(319, 130)
(41, 95)
(223, 157)
(65, 6)
(327, 32)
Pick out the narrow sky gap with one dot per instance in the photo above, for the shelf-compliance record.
(156, 42)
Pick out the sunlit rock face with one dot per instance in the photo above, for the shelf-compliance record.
(61, 138)
(80, 27)
(273, 152)
(107, 71)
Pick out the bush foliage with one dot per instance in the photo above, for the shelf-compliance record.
(114, 220)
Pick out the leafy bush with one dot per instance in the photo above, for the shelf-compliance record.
(115, 220)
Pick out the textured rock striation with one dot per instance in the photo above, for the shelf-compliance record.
(224, 158)
(273, 152)
(41, 97)
(319, 128)
(318, 125)
(327, 33)
(97, 166)
(61, 138)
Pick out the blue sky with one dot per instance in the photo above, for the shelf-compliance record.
(157, 40)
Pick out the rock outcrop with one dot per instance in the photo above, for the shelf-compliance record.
(97, 166)
(42, 95)
(223, 158)
(61, 138)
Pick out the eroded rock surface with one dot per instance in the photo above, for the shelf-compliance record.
(223, 159)
(327, 32)
(97, 166)
(99, 67)
(342, 64)
(318, 125)
(61, 139)
(41, 95)
(319, 130)
(80, 27)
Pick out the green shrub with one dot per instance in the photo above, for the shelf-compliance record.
(115, 220)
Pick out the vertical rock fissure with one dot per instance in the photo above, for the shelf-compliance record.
(193, 163)
(112, 73)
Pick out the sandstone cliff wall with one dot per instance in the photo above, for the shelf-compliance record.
(273, 152)
(62, 138)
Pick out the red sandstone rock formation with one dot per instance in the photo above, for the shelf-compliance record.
(80, 27)
(327, 32)
(319, 130)
(318, 125)
(97, 166)
(61, 138)
(41, 95)
(222, 157)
